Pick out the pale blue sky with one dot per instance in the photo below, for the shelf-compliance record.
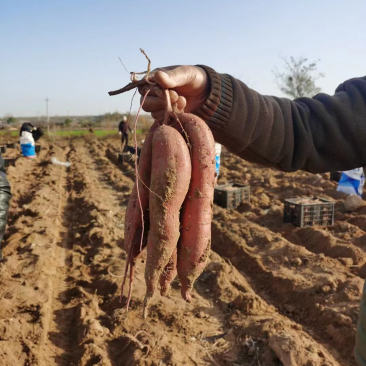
(68, 50)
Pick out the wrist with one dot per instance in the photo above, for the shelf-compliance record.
(205, 89)
(216, 110)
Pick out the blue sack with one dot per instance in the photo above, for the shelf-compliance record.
(217, 158)
(28, 150)
(27, 144)
(352, 182)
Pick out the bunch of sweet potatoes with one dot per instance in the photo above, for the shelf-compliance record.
(170, 208)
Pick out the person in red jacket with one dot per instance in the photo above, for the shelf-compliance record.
(320, 134)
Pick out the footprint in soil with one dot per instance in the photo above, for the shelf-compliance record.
(101, 287)
(122, 352)
(28, 265)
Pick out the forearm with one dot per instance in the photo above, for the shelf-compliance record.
(314, 134)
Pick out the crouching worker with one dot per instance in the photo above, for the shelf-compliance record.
(28, 136)
(5, 196)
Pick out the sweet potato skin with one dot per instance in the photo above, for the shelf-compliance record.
(195, 240)
(171, 173)
(169, 274)
(133, 223)
(129, 217)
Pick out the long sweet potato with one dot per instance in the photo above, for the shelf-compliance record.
(171, 167)
(195, 240)
(133, 218)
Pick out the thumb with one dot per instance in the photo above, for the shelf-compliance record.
(171, 79)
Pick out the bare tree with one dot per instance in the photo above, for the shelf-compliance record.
(298, 79)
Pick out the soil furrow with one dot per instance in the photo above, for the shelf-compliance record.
(271, 295)
(318, 240)
(313, 290)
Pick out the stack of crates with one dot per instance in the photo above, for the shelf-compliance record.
(231, 195)
(313, 211)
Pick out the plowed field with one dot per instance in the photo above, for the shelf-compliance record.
(272, 294)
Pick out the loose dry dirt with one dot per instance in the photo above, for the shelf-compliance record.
(272, 294)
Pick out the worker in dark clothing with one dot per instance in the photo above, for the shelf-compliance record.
(5, 196)
(123, 130)
(320, 134)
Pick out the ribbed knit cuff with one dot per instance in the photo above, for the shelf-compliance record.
(217, 108)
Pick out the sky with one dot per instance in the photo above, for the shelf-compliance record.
(68, 50)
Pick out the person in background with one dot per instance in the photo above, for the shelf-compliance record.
(28, 136)
(320, 134)
(5, 196)
(123, 131)
(217, 161)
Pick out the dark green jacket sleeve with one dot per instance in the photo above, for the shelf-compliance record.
(320, 134)
(5, 196)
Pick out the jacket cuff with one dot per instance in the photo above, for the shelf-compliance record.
(217, 109)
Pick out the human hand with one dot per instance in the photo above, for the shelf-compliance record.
(188, 88)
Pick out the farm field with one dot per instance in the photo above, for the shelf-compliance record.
(272, 294)
(66, 133)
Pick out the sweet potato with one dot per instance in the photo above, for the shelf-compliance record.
(144, 170)
(169, 274)
(171, 172)
(172, 169)
(129, 217)
(195, 240)
(133, 218)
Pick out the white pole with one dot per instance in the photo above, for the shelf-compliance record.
(48, 118)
